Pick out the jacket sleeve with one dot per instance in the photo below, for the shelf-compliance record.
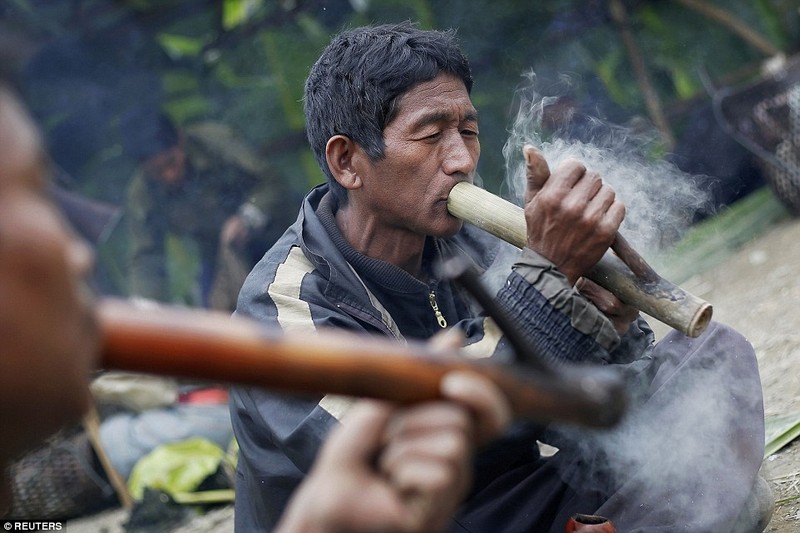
(558, 322)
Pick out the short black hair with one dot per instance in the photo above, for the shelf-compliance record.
(354, 86)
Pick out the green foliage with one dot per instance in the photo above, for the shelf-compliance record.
(227, 60)
(179, 46)
(237, 12)
(619, 89)
(281, 57)
(780, 431)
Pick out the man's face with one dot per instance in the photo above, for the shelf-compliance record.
(168, 166)
(431, 144)
(47, 325)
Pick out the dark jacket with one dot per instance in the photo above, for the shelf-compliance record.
(313, 279)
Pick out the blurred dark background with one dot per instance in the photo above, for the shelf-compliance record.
(647, 64)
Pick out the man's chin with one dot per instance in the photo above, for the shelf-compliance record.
(449, 229)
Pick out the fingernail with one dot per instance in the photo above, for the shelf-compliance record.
(527, 151)
(458, 384)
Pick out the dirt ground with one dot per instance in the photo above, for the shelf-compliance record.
(757, 291)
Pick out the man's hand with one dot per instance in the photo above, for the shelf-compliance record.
(572, 216)
(620, 314)
(399, 469)
(235, 232)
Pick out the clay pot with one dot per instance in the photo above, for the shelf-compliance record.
(587, 523)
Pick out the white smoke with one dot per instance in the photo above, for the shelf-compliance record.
(690, 448)
(659, 198)
(680, 451)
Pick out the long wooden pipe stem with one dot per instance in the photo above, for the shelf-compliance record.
(203, 345)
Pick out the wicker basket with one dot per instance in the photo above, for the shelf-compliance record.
(59, 480)
(764, 117)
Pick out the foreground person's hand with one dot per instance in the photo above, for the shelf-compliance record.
(620, 314)
(399, 469)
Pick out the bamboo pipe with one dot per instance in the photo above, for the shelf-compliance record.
(204, 345)
(648, 292)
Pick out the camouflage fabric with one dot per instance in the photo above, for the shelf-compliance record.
(223, 175)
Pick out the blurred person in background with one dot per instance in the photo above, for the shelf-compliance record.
(204, 183)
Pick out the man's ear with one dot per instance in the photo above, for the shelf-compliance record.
(342, 155)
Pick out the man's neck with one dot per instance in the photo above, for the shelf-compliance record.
(369, 236)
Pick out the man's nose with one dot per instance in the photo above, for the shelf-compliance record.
(461, 156)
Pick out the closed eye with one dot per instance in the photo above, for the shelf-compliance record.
(434, 136)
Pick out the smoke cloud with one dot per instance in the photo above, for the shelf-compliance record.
(660, 199)
(688, 450)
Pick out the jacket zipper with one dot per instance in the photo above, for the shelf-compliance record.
(435, 306)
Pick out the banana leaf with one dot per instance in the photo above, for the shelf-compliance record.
(780, 431)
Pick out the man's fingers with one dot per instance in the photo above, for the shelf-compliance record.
(486, 401)
(361, 434)
(447, 340)
(589, 185)
(537, 169)
(427, 460)
(449, 447)
(432, 476)
(431, 472)
(620, 314)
